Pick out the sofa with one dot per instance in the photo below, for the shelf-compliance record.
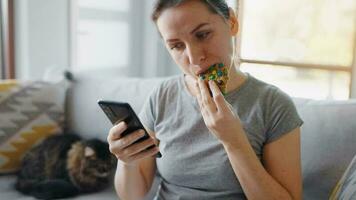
(327, 141)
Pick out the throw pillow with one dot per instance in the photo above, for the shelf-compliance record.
(29, 112)
(346, 187)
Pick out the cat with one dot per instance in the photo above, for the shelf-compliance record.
(65, 165)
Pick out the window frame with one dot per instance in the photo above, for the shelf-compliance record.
(7, 40)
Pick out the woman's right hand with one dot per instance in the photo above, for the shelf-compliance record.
(124, 149)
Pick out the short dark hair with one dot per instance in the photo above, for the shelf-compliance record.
(219, 7)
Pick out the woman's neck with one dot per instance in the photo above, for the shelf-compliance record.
(236, 79)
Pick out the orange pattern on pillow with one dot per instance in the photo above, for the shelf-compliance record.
(23, 144)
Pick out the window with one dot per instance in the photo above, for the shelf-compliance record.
(101, 34)
(232, 3)
(306, 48)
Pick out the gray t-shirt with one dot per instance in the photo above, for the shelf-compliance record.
(194, 164)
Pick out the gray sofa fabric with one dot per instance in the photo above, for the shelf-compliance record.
(328, 134)
(328, 143)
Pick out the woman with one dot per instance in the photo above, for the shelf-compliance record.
(245, 144)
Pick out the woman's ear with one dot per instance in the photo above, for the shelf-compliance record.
(233, 22)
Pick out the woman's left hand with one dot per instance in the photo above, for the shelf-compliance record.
(216, 112)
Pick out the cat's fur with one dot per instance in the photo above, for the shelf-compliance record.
(65, 165)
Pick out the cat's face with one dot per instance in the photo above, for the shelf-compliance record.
(98, 161)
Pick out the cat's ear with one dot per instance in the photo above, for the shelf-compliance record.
(88, 152)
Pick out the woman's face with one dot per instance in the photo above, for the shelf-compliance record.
(196, 38)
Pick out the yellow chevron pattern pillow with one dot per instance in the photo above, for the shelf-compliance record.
(29, 112)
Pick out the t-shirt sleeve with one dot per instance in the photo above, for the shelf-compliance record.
(147, 113)
(282, 116)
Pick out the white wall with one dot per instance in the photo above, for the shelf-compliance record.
(155, 58)
(41, 36)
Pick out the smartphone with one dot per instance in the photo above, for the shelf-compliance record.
(122, 111)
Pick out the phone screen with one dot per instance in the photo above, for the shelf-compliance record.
(121, 113)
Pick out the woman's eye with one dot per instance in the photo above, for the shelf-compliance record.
(203, 35)
(177, 46)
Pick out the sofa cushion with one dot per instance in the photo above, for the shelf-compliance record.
(83, 113)
(29, 112)
(346, 187)
(328, 139)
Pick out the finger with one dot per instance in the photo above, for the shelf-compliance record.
(198, 96)
(230, 108)
(205, 96)
(218, 97)
(116, 131)
(200, 102)
(138, 147)
(204, 91)
(144, 154)
(126, 141)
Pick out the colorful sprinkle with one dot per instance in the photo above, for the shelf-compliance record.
(225, 72)
(218, 73)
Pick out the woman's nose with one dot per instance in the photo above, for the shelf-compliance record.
(195, 55)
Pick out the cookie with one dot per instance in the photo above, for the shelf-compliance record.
(218, 73)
